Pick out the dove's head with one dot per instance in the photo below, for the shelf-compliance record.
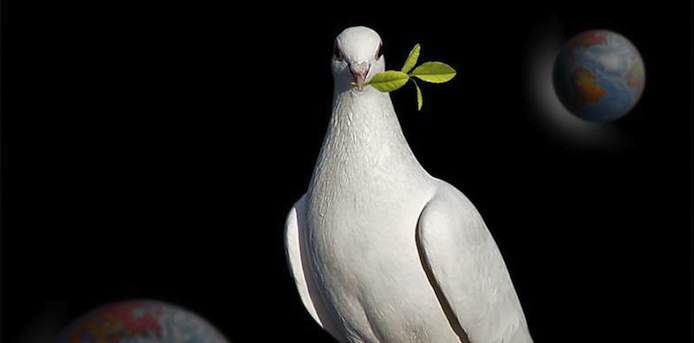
(357, 57)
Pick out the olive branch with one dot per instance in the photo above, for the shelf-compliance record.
(434, 72)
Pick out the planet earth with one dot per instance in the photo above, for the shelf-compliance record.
(141, 321)
(599, 75)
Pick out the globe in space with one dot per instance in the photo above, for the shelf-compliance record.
(599, 75)
(141, 321)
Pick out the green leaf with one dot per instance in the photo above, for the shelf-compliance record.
(420, 99)
(436, 72)
(411, 59)
(389, 80)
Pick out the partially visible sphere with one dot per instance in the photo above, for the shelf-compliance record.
(599, 75)
(141, 322)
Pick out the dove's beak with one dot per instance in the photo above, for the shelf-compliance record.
(359, 72)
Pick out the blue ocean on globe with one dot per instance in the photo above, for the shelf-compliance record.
(599, 75)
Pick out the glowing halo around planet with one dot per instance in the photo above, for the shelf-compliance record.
(545, 109)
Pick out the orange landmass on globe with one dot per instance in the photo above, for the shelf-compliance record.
(586, 39)
(118, 322)
(634, 76)
(588, 91)
(96, 329)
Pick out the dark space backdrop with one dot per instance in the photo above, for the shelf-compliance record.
(154, 151)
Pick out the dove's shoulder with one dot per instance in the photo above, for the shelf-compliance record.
(464, 263)
(296, 249)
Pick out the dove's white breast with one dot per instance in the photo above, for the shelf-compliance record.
(362, 210)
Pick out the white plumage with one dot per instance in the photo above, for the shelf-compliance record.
(380, 250)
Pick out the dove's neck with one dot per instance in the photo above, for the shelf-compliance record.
(364, 145)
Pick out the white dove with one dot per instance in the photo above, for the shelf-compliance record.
(380, 250)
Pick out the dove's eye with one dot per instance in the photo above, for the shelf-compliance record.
(337, 52)
(379, 52)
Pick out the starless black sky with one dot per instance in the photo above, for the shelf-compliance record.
(154, 150)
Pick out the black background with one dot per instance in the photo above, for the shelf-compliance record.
(153, 151)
